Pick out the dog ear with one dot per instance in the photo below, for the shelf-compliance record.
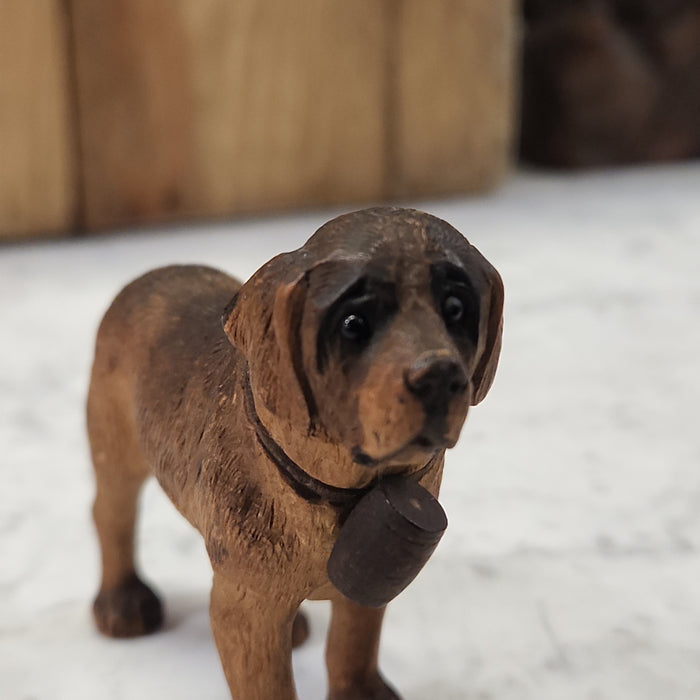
(490, 332)
(263, 321)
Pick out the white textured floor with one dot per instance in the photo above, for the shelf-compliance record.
(571, 566)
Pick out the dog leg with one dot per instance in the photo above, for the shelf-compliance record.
(300, 629)
(253, 634)
(352, 651)
(124, 606)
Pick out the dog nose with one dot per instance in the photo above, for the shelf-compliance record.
(435, 379)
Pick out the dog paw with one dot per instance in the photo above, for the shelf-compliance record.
(374, 688)
(300, 629)
(130, 610)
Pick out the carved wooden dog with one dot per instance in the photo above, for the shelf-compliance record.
(268, 411)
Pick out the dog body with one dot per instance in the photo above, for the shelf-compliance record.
(353, 358)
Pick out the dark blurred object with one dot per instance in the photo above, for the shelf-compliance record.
(610, 81)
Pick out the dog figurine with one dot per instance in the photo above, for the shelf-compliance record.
(271, 411)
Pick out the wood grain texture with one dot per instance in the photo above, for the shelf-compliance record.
(297, 93)
(209, 108)
(184, 109)
(135, 111)
(212, 108)
(453, 111)
(37, 160)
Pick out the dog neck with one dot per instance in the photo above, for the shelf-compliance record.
(304, 484)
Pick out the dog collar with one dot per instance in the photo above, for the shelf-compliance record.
(305, 485)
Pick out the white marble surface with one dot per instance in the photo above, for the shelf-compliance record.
(571, 567)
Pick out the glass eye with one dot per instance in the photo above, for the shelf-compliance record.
(452, 309)
(354, 327)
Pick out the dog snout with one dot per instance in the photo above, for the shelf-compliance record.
(435, 379)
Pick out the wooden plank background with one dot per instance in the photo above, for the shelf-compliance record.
(38, 193)
(206, 108)
(185, 109)
(456, 98)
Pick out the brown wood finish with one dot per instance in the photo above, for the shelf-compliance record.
(207, 108)
(385, 542)
(210, 108)
(37, 159)
(361, 353)
(454, 96)
(133, 93)
(137, 111)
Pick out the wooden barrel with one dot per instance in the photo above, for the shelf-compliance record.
(385, 542)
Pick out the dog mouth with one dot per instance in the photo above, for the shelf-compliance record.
(424, 441)
(423, 445)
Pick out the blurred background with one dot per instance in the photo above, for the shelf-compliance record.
(560, 136)
(125, 112)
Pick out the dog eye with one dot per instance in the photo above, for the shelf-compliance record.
(452, 309)
(355, 328)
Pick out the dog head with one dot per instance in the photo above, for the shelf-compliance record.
(376, 335)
